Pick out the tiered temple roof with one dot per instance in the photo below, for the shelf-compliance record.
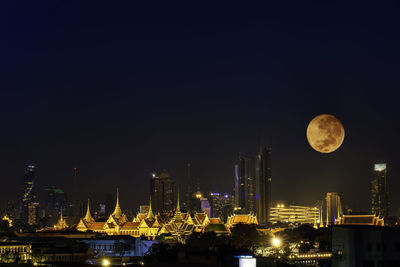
(241, 218)
(178, 224)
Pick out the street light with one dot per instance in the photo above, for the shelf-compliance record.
(276, 242)
(106, 262)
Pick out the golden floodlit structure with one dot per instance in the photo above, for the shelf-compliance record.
(149, 224)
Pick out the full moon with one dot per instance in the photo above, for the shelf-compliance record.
(325, 133)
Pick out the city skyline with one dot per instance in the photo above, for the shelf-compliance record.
(155, 87)
(252, 133)
(159, 201)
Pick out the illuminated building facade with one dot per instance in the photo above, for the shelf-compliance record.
(294, 214)
(222, 205)
(379, 193)
(245, 186)
(162, 191)
(61, 224)
(333, 208)
(253, 180)
(28, 197)
(8, 220)
(263, 184)
(369, 219)
(148, 224)
(33, 213)
(205, 206)
(19, 250)
(249, 218)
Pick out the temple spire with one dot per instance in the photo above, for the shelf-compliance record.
(88, 216)
(61, 216)
(177, 205)
(117, 211)
(150, 213)
(178, 214)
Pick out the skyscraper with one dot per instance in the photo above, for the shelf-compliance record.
(162, 191)
(333, 208)
(263, 184)
(28, 196)
(245, 186)
(55, 201)
(222, 205)
(379, 193)
(33, 213)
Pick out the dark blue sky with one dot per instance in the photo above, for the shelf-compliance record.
(120, 89)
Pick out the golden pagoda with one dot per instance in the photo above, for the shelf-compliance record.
(61, 224)
(149, 225)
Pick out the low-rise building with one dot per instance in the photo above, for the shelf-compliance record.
(249, 218)
(368, 219)
(15, 250)
(118, 246)
(294, 214)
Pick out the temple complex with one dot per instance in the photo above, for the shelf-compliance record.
(176, 224)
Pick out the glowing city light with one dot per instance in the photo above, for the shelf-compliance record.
(276, 242)
(106, 262)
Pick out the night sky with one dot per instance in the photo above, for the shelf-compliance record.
(120, 89)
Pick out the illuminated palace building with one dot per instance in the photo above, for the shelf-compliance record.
(148, 224)
(294, 214)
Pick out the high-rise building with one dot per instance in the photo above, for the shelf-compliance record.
(33, 213)
(379, 193)
(28, 196)
(222, 205)
(245, 186)
(55, 201)
(333, 208)
(205, 206)
(162, 191)
(263, 184)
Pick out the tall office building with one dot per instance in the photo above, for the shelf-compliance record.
(333, 208)
(55, 201)
(162, 191)
(28, 196)
(379, 193)
(245, 186)
(33, 213)
(263, 184)
(222, 205)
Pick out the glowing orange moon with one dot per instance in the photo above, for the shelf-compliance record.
(325, 133)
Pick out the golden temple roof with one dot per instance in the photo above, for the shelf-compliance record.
(117, 211)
